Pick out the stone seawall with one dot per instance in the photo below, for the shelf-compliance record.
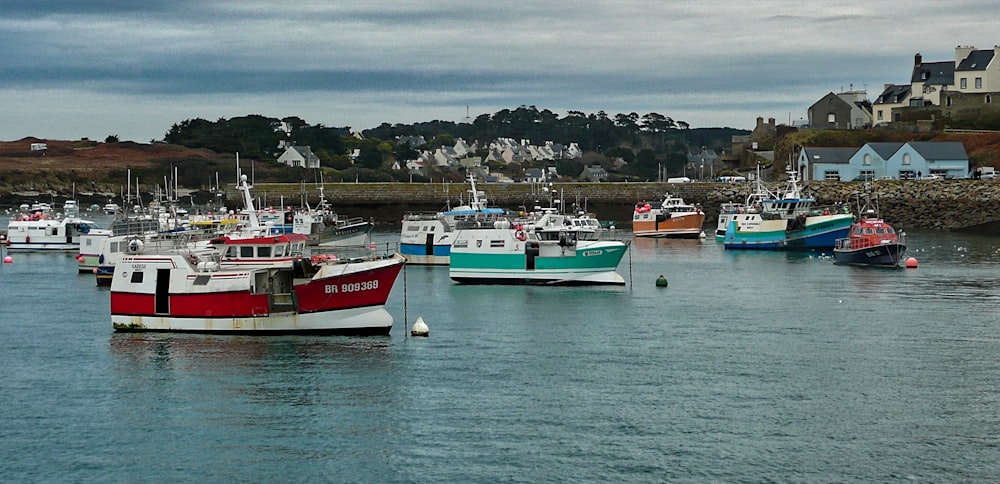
(938, 204)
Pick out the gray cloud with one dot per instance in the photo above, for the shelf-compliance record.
(141, 66)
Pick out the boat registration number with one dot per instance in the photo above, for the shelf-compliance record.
(589, 253)
(352, 287)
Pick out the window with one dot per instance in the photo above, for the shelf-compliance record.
(906, 158)
(264, 251)
(907, 175)
(880, 115)
(963, 83)
(136, 277)
(246, 251)
(868, 158)
(831, 118)
(988, 99)
(831, 176)
(979, 83)
(947, 101)
(867, 174)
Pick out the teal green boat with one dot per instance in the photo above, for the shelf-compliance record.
(550, 250)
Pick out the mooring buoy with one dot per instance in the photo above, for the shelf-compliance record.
(420, 328)
(661, 281)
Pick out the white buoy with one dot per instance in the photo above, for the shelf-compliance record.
(420, 328)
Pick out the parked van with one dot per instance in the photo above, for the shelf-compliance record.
(985, 172)
(732, 179)
(680, 179)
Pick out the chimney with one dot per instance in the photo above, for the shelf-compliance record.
(962, 52)
(917, 59)
(760, 122)
(770, 122)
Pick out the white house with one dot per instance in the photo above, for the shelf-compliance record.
(299, 156)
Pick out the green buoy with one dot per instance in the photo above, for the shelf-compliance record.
(661, 281)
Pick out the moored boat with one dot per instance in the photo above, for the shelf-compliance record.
(425, 238)
(787, 221)
(37, 232)
(552, 250)
(871, 241)
(257, 283)
(669, 217)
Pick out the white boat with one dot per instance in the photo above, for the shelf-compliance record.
(322, 225)
(71, 208)
(426, 238)
(550, 250)
(274, 292)
(110, 208)
(37, 232)
(91, 247)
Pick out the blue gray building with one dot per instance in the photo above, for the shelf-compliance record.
(915, 159)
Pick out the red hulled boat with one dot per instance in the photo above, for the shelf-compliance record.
(257, 284)
(871, 241)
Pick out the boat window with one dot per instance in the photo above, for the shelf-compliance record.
(202, 280)
(889, 230)
(231, 252)
(431, 229)
(136, 277)
(264, 251)
(461, 244)
(496, 243)
(880, 231)
(246, 251)
(857, 230)
(869, 231)
(114, 247)
(279, 250)
(413, 228)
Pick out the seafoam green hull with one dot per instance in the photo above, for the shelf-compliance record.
(591, 264)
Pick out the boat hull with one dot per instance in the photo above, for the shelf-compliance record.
(819, 232)
(589, 264)
(885, 255)
(687, 226)
(169, 295)
(422, 254)
(347, 236)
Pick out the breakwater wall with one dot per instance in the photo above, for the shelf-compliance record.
(937, 204)
(972, 205)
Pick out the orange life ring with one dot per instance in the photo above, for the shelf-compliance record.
(520, 235)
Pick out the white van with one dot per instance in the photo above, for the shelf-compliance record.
(732, 179)
(985, 172)
(680, 179)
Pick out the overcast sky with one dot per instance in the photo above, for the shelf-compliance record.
(74, 68)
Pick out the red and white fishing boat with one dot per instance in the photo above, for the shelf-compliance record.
(255, 284)
(871, 241)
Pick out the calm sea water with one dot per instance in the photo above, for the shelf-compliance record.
(748, 367)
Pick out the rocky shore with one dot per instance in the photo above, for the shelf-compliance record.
(941, 204)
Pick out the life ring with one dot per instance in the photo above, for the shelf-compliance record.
(520, 235)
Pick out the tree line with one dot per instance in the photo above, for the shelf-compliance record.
(645, 142)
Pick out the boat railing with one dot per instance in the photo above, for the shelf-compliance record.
(864, 243)
(346, 221)
(352, 253)
(421, 216)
